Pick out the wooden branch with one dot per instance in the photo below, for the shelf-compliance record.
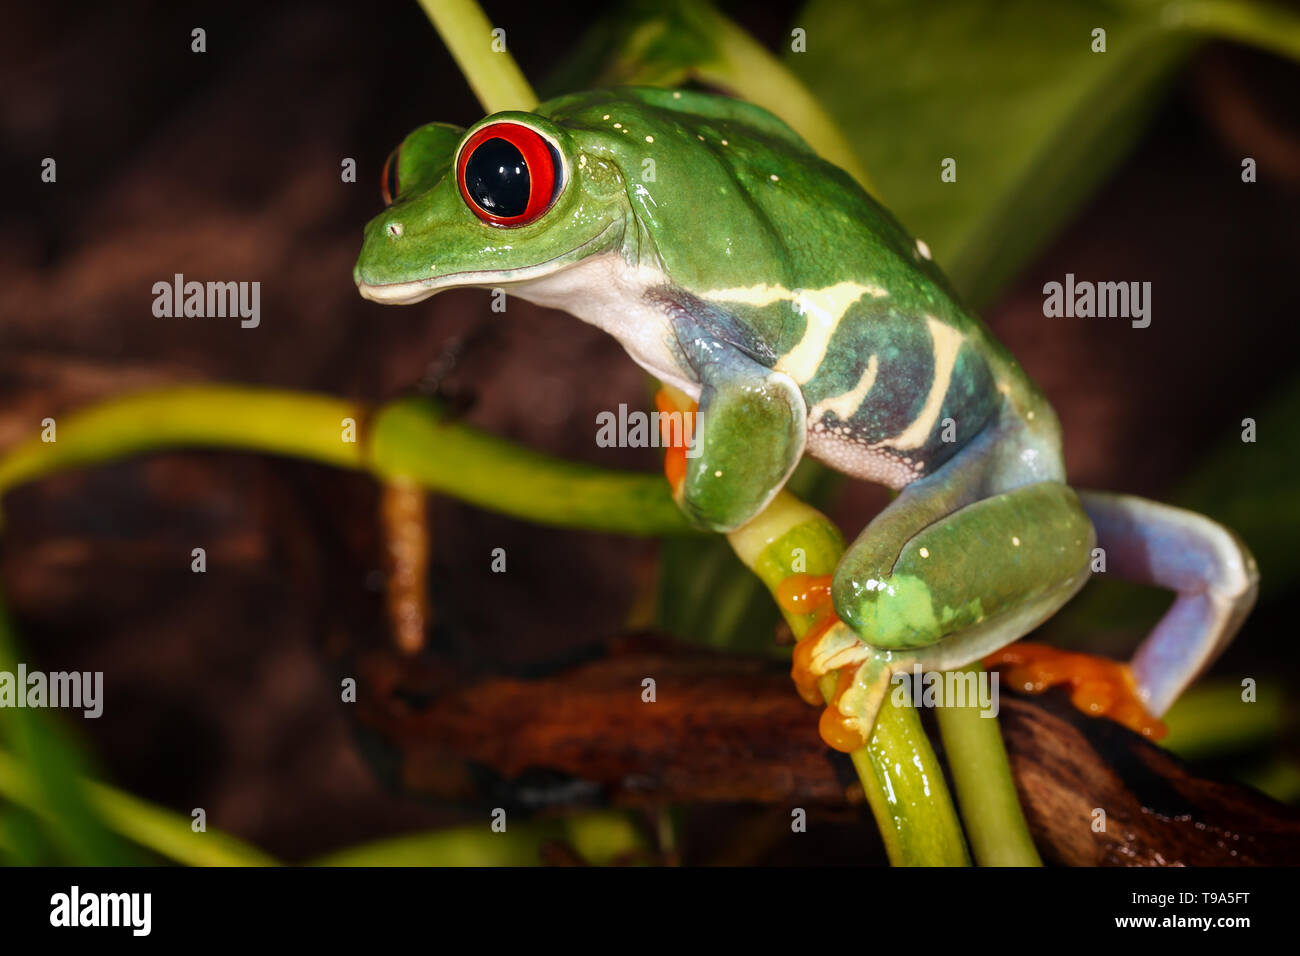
(1067, 766)
(724, 729)
(720, 729)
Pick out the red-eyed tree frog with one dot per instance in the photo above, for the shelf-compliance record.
(735, 264)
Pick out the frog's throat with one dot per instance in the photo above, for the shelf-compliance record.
(417, 290)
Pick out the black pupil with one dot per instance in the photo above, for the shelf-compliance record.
(496, 178)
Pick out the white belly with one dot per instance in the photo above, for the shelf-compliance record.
(604, 291)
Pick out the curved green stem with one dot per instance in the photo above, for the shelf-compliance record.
(411, 439)
(297, 424)
(491, 72)
(990, 806)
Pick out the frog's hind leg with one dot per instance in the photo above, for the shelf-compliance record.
(1204, 563)
(972, 577)
(943, 576)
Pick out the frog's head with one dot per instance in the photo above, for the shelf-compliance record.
(512, 199)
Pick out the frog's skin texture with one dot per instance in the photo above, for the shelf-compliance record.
(733, 263)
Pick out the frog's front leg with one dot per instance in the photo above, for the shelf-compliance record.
(749, 433)
(940, 578)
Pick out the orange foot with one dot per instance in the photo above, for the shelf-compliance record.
(1099, 687)
(811, 594)
(675, 456)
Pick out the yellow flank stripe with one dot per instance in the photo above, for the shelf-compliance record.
(823, 309)
(846, 404)
(947, 343)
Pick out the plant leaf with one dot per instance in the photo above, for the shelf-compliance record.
(1010, 90)
(1013, 91)
(53, 782)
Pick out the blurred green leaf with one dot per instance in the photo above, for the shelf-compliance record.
(22, 839)
(1010, 90)
(1279, 778)
(600, 838)
(53, 814)
(1263, 508)
(165, 832)
(1211, 719)
(1013, 92)
(53, 782)
(1226, 737)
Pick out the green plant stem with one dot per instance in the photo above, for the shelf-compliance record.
(297, 424)
(981, 775)
(166, 833)
(899, 772)
(411, 439)
(905, 788)
(491, 73)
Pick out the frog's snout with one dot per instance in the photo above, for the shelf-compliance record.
(375, 276)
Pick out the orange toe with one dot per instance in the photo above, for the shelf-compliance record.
(811, 594)
(801, 664)
(839, 732)
(675, 467)
(674, 440)
(1098, 686)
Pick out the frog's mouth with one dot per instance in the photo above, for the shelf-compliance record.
(417, 290)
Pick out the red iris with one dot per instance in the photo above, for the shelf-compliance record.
(507, 174)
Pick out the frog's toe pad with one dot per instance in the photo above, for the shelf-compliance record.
(859, 692)
(1098, 686)
(831, 645)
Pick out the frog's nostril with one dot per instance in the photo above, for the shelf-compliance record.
(395, 230)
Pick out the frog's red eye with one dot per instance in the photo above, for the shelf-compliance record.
(508, 174)
(388, 184)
